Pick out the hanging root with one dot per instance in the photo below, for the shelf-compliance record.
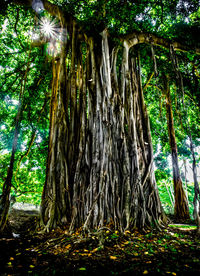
(100, 149)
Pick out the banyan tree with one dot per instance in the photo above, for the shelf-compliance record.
(100, 158)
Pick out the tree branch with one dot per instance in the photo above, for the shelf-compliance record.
(15, 27)
(53, 9)
(148, 81)
(132, 39)
(139, 38)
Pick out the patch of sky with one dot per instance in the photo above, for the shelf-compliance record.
(139, 17)
(3, 127)
(5, 151)
(10, 101)
(4, 26)
(38, 139)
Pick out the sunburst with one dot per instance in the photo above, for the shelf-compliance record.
(49, 28)
(51, 32)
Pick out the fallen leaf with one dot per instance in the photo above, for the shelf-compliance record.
(95, 250)
(127, 242)
(145, 272)
(11, 259)
(68, 246)
(113, 257)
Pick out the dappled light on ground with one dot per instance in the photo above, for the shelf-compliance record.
(170, 252)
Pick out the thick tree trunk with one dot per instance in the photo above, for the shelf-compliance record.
(181, 209)
(100, 161)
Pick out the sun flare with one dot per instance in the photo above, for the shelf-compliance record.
(49, 28)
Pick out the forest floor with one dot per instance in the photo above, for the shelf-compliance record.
(173, 251)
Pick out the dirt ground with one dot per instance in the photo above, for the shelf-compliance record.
(172, 251)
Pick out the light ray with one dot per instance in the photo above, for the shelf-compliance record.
(49, 28)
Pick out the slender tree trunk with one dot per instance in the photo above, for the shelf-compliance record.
(181, 209)
(5, 201)
(170, 195)
(186, 187)
(196, 201)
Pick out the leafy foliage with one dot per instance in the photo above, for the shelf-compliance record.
(18, 58)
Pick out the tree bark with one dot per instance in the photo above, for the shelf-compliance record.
(196, 201)
(186, 186)
(100, 159)
(181, 209)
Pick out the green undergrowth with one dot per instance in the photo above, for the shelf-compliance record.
(183, 226)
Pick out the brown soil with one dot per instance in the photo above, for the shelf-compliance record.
(105, 252)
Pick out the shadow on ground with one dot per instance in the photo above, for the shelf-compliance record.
(169, 252)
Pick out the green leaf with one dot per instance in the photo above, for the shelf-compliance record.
(82, 269)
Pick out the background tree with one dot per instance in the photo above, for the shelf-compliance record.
(181, 208)
(22, 73)
(180, 102)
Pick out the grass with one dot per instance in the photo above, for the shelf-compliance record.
(183, 226)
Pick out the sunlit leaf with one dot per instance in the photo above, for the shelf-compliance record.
(113, 257)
